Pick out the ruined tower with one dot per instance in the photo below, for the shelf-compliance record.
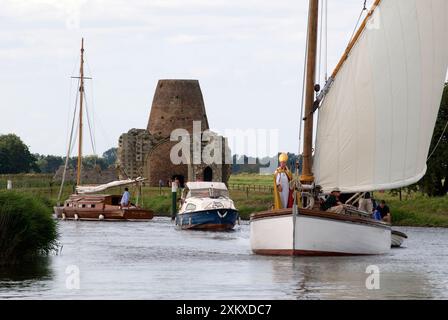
(177, 104)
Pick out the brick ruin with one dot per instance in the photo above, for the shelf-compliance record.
(146, 152)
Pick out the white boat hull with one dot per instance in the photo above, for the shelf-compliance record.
(317, 236)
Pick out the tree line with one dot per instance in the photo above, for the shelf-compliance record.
(15, 157)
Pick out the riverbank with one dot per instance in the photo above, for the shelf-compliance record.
(251, 193)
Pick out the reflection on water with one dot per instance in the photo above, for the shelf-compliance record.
(25, 279)
(152, 260)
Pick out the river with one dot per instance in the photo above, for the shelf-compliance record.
(153, 260)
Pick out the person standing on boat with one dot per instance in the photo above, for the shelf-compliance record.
(282, 177)
(124, 203)
(333, 204)
(366, 203)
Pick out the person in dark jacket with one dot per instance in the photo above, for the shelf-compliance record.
(384, 211)
(333, 204)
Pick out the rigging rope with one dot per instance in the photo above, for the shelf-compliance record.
(438, 142)
(364, 9)
(326, 40)
(90, 128)
(302, 105)
(69, 151)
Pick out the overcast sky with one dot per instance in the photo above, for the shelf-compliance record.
(247, 54)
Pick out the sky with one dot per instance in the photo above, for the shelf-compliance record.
(248, 56)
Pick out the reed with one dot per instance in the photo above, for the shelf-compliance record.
(27, 229)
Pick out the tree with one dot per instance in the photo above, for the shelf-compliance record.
(110, 156)
(435, 182)
(88, 162)
(49, 163)
(15, 156)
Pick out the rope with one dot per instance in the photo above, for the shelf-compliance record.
(69, 150)
(326, 40)
(359, 20)
(302, 106)
(92, 141)
(320, 40)
(92, 136)
(438, 142)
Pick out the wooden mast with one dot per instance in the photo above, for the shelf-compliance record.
(81, 99)
(313, 21)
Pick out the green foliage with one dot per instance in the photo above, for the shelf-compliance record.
(27, 229)
(89, 162)
(15, 156)
(419, 210)
(49, 163)
(435, 182)
(110, 156)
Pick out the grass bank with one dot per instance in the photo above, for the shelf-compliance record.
(27, 229)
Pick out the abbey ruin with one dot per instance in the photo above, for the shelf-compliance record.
(177, 104)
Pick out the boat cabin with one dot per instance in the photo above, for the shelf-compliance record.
(93, 201)
(212, 190)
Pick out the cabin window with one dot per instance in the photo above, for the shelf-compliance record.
(190, 207)
(83, 205)
(116, 201)
(92, 206)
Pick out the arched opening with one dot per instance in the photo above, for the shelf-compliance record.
(181, 179)
(208, 174)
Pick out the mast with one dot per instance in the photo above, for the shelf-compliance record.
(313, 21)
(81, 99)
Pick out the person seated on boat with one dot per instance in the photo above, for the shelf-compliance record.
(333, 204)
(282, 177)
(125, 199)
(384, 212)
(366, 204)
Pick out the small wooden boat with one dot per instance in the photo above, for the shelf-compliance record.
(207, 206)
(398, 238)
(100, 207)
(86, 203)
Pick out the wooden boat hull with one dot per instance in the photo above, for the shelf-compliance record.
(212, 220)
(397, 239)
(317, 234)
(107, 214)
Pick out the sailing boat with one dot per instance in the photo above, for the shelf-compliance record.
(86, 204)
(377, 114)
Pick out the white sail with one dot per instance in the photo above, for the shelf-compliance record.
(377, 120)
(102, 187)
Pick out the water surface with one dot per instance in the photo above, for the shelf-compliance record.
(153, 260)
